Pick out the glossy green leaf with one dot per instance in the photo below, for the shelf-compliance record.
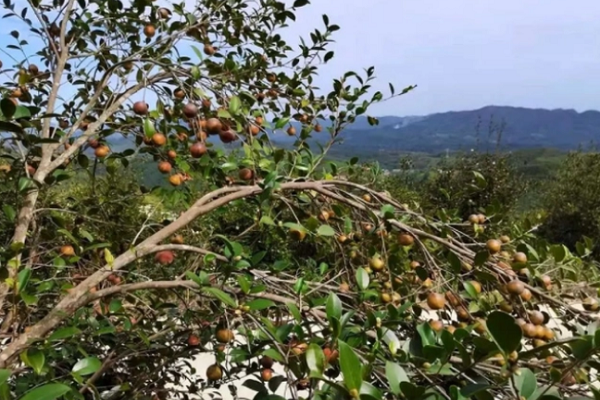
(9, 212)
(505, 331)
(315, 360)
(4, 375)
(325, 230)
(23, 278)
(87, 366)
(395, 374)
(525, 382)
(362, 278)
(64, 333)
(50, 391)
(260, 304)
(351, 366)
(334, 306)
(220, 295)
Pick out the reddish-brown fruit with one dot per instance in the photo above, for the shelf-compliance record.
(318, 128)
(190, 110)
(206, 103)
(164, 257)
(214, 372)
(520, 257)
(405, 239)
(209, 50)
(260, 96)
(254, 130)
(526, 295)
(177, 239)
(259, 120)
(436, 325)
(16, 93)
(227, 136)
(246, 174)
(149, 30)
(67, 251)
(159, 139)
(176, 180)
(101, 151)
(266, 374)
(140, 108)
(193, 340)
(164, 167)
(291, 131)
(546, 282)
(494, 246)
(128, 65)
(198, 149)
(515, 287)
(224, 335)
(271, 77)
(414, 264)
(266, 362)
(164, 13)
(114, 279)
(462, 314)
(481, 218)
(93, 143)
(330, 355)
(31, 169)
(213, 126)
(540, 331)
(33, 69)
(453, 299)
(548, 334)
(536, 317)
(529, 330)
(172, 154)
(436, 301)
(474, 219)
(179, 94)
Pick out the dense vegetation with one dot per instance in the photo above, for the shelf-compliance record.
(300, 277)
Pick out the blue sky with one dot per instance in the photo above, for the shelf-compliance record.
(463, 54)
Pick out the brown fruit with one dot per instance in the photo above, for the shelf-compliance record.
(259, 120)
(224, 335)
(529, 330)
(271, 77)
(101, 151)
(405, 239)
(63, 124)
(164, 167)
(172, 154)
(476, 285)
(164, 257)
(480, 326)
(227, 136)
(209, 50)
(198, 149)
(540, 331)
(190, 110)
(254, 130)
(506, 307)
(451, 329)
(436, 301)
(548, 334)
(159, 139)
(385, 298)
(16, 93)
(179, 94)
(474, 219)
(526, 295)
(246, 174)
(462, 314)
(193, 340)
(414, 264)
(177, 239)
(266, 374)
(536, 317)
(291, 131)
(266, 362)
(504, 239)
(128, 65)
(318, 128)
(376, 263)
(140, 108)
(515, 287)
(175, 180)
(164, 13)
(344, 287)
(330, 355)
(149, 30)
(520, 257)
(93, 143)
(67, 251)
(33, 69)
(436, 325)
(214, 372)
(520, 322)
(481, 218)
(546, 282)
(367, 198)
(453, 299)
(494, 246)
(213, 126)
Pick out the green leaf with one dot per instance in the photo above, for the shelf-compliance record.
(481, 258)
(351, 366)
(87, 366)
(193, 277)
(23, 278)
(395, 374)
(64, 333)
(325, 230)
(51, 391)
(281, 122)
(4, 375)
(362, 278)
(260, 304)
(10, 212)
(315, 359)
(36, 360)
(559, 252)
(149, 128)
(221, 295)
(526, 382)
(334, 306)
(25, 183)
(505, 331)
(235, 104)
(8, 108)
(294, 311)
(470, 289)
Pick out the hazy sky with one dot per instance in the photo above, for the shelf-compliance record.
(463, 54)
(466, 54)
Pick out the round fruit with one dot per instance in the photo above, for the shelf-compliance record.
(213, 126)
(548, 334)
(318, 128)
(31, 169)
(271, 77)
(193, 340)
(291, 131)
(297, 234)
(266, 374)
(164, 167)
(102, 151)
(164, 13)
(520, 322)
(529, 330)
(481, 218)
(179, 94)
(93, 143)
(67, 251)
(436, 325)
(476, 285)
(590, 304)
(198, 149)
(385, 298)
(224, 335)
(159, 139)
(480, 326)
(504, 239)
(214, 372)
(172, 154)
(149, 30)
(246, 174)
(227, 136)
(546, 282)
(515, 287)
(414, 264)
(298, 348)
(376, 263)
(536, 317)
(474, 219)
(526, 295)
(344, 287)
(33, 69)
(266, 362)
(462, 314)
(330, 355)
(177, 239)
(540, 331)
(254, 130)
(494, 246)
(164, 257)
(506, 307)
(405, 239)
(520, 257)
(190, 110)
(175, 180)
(453, 299)
(436, 301)
(140, 108)
(209, 50)
(367, 198)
